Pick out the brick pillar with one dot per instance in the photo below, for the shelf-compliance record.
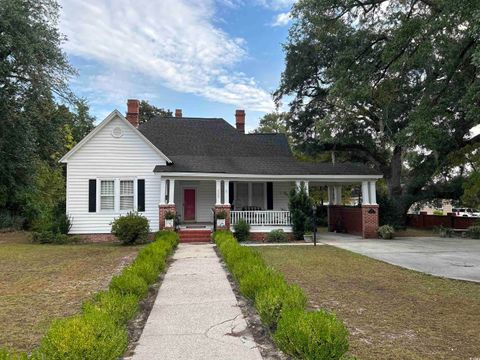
(370, 221)
(162, 209)
(225, 208)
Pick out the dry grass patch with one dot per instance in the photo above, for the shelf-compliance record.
(392, 313)
(43, 282)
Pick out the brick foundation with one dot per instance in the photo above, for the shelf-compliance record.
(262, 236)
(162, 210)
(370, 221)
(226, 208)
(103, 238)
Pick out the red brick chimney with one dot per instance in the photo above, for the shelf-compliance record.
(178, 113)
(133, 112)
(240, 120)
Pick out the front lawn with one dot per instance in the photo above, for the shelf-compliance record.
(41, 282)
(392, 313)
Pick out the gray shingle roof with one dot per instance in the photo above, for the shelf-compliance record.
(214, 146)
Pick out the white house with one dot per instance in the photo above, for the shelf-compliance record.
(196, 167)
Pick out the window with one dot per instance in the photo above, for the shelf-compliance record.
(258, 195)
(126, 195)
(107, 195)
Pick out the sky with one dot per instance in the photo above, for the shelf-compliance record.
(206, 57)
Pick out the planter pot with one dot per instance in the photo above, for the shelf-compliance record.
(308, 238)
(221, 223)
(169, 223)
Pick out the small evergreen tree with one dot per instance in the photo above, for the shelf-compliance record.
(300, 206)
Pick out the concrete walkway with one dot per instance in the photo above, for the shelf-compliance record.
(196, 315)
(454, 258)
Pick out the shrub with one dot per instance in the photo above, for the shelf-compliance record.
(242, 230)
(49, 237)
(311, 335)
(90, 336)
(300, 206)
(277, 236)
(170, 215)
(128, 282)
(221, 214)
(473, 232)
(62, 224)
(443, 231)
(131, 228)
(272, 301)
(386, 232)
(119, 308)
(437, 212)
(257, 279)
(146, 269)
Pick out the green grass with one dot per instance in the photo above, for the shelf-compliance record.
(392, 313)
(40, 283)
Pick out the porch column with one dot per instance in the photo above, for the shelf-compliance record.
(226, 192)
(365, 194)
(171, 192)
(330, 195)
(338, 195)
(306, 186)
(163, 186)
(218, 192)
(373, 193)
(298, 185)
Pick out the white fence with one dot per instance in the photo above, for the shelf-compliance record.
(267, 217)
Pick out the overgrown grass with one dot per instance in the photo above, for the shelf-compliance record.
(392, 313)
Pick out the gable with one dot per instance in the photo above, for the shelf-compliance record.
(115, 135)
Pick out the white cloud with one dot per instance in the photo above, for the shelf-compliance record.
(173, 43)
(282, 19)
(277, 4)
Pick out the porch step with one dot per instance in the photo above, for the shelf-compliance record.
(194, 235)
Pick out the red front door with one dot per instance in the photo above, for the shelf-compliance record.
(188, 204)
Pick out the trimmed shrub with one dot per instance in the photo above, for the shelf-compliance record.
(272, 301)
(146, 269)
(221, 214)
(473, 232)
(257, 279)
(119, 308)
(131, 228)
(277, 236)
(301, 334)
(90, 336)
(386, 232)
(242, 230)
(128, 282)
(311, 335)
(300, 206)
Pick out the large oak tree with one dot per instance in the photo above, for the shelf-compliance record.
(393, 83)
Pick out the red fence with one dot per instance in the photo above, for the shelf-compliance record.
(345, 219)
(425, 221)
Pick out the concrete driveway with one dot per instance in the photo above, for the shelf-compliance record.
(454, 258)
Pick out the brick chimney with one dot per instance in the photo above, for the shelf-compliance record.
(178, 113)
(133, 112)
(240, 120)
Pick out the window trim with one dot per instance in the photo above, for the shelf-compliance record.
(116, 192)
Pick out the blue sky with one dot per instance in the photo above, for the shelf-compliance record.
(207, 57)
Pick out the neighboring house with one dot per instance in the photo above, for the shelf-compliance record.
(195, 167)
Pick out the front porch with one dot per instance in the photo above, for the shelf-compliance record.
(261, 202)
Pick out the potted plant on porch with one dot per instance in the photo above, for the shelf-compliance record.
(169, 219)
(221, 219)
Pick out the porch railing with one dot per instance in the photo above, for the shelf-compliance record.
(261, 217)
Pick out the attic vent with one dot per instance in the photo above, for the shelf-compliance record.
(117, 132)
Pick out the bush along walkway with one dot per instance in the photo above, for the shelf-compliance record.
(299, 333)
(99, 332)
(196, 314)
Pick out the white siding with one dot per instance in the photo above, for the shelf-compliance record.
(104, 156)
(280, 194)
(205, 198)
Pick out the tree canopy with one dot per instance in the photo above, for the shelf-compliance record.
(393, 83)
(148, 112)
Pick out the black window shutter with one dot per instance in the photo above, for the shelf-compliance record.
(92, 195)
(141, 195)
(269, 196)
(231, 195)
